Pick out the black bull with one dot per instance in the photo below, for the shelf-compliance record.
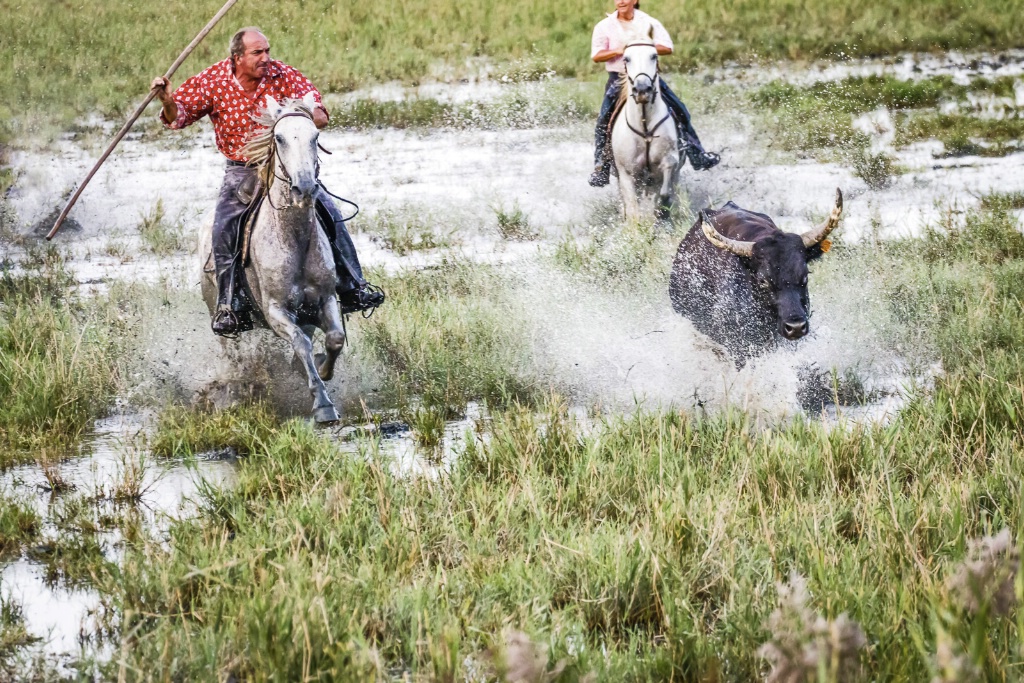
(743, 282)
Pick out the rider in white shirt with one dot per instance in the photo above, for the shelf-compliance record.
(627, 24)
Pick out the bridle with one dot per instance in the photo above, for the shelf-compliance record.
(275, 159)
(647, 135)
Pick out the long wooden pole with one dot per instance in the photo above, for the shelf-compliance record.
(136, 114)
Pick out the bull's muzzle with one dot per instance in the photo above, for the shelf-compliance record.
(794, 328)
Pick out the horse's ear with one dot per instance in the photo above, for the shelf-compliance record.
(273, 108)
(309, 99)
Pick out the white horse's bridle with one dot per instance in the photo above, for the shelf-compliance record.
(278, 163)
(647, 135)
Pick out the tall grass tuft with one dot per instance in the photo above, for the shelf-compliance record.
(57, 365)
(450, 338)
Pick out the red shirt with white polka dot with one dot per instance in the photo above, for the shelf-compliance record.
(216, 93)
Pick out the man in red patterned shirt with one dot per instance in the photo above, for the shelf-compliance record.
(231, 93)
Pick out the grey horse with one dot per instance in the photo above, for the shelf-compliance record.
(291, 272)
(644, 137)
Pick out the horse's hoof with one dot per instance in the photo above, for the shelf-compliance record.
(326, 415)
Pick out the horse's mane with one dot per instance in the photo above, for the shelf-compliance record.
(260, 147)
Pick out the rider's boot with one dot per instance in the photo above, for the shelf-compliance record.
(225, 322)
(602, 141)
(354, 293)
(600, 176)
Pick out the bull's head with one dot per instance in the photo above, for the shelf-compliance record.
(779, 266)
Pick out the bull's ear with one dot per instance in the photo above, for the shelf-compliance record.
(818, 249)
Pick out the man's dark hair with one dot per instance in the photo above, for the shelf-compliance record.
(236, 48)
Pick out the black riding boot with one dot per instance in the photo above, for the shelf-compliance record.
(225, 322)
(354, 293)
(602, 151)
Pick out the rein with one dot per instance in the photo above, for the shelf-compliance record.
(647, 135)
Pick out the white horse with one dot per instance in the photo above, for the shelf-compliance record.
(645, 143)
(291, 271)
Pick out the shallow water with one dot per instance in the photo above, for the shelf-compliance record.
(62, 616)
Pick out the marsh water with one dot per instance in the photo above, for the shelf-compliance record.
(604, 349)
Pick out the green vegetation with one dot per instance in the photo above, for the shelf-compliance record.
(184, 432)
(819, 118)
(514, 224)
(449, 338)
(159, 236)
(644, 547)
(103, 59)
(963, 134)
(407, 230)
(1007, 201)
(57, 361)
(18, 525)
(554, 106)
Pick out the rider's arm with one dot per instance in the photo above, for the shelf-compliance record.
(607, 55)
(663, 50)
(189, 103)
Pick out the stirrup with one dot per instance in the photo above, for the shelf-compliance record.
(363, 299)
(228, 330)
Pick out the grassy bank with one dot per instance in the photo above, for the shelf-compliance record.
(57, 359)
(103, 57)
(651, 547)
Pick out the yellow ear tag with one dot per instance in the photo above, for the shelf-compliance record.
(825, 245)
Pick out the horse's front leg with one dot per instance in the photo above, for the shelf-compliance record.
(667, 193)
(630, 202)
(284, 326)
(334, 331)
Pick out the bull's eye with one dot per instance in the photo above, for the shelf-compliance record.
(654, 58)
(279, 138)
(625, 60)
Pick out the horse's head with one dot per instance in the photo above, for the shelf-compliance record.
(641, 60)
(289, 148)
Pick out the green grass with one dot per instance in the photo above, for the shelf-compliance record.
(183, 432)
(513, 223)
(449, 337)
(19, 524)
(819, 117)
(57, 362)
(962, 134)
(109, 54)
(408, 229)
(160, 236)
(547, 107)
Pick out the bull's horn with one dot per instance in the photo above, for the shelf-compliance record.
(738, 247)
(815, 236)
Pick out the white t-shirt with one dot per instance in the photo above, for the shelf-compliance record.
(612, 34)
